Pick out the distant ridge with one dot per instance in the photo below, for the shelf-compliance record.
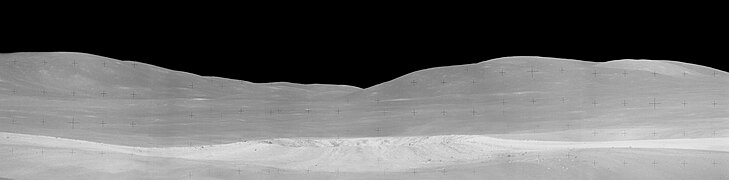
(65, 74)
(60, 74)
(660, 67)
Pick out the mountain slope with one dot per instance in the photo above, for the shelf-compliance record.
(503, 97)
(84, 75)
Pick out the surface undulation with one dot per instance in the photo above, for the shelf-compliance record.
(79, 116)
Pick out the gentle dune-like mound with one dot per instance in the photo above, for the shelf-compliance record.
(396, 154)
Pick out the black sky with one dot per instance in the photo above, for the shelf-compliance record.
(352, 52)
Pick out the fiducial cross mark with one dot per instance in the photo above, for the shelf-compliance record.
(73, 123)
(532, 71)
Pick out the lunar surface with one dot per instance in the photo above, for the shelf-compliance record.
(82, 116)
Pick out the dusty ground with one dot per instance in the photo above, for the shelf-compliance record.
(424, 157)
